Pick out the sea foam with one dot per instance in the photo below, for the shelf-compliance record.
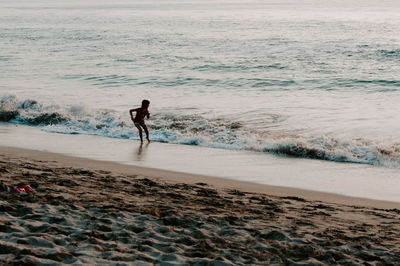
(196, 130)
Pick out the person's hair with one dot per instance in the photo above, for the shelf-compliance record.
(145, 103)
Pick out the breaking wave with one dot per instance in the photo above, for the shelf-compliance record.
(196, 130)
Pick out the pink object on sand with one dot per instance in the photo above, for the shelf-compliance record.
(21, 190)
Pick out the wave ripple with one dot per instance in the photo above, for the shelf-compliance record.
(198, 131)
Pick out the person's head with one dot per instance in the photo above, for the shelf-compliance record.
(145, 103)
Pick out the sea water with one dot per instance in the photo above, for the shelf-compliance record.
(315, 79)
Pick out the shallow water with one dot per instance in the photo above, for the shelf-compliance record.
(355, 180)
(312, 79)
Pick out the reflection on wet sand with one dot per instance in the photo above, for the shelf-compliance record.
(141, 151)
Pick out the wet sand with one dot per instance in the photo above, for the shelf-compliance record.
(354, 180)
(92, 212)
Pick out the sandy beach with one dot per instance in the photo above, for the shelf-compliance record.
(91, 212)
(272, 132)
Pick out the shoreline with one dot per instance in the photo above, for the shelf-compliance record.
(353, 180)
(180, 177)
(83, 212)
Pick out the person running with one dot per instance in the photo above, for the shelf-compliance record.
(141, 113)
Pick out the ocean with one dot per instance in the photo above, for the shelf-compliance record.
(308, 79)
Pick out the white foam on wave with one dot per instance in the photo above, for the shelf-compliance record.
(198, 131)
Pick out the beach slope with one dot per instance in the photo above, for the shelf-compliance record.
(83, 211)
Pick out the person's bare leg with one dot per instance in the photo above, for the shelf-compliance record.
(140, 133)
(147, 132)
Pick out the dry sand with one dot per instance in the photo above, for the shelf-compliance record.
(90, 212)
